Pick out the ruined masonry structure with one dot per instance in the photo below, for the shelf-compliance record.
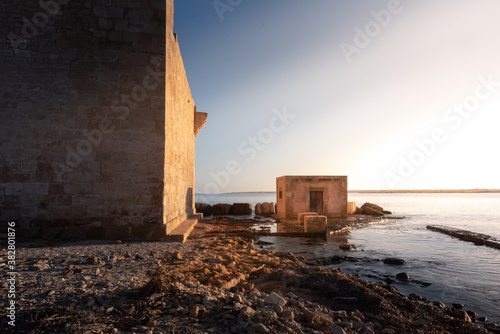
(97, 121)
(324, 195)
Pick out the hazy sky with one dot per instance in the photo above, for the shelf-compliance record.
(394, 94)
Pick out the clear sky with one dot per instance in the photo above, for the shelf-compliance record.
(394, 94)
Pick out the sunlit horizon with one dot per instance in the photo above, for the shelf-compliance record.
(416, 108)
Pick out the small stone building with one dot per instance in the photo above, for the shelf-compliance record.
(325, 195)
(97, 121)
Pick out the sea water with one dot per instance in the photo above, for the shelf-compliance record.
(441, 268)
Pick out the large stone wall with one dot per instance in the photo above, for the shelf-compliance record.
(178, 201)
(86, 133)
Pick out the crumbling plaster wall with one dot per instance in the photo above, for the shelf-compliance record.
(295, 195)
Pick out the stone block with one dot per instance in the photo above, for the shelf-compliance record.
(351, 208)
(140, 14)
(302, 215)
(72, 233)
(28, 211)
(222, 209)
(204, 208)
(148, 232)
(36, 188)
(13, 189)
(78, 211)
(118, 232)
(95, 233)
(315, 224)
(101, 11)
(242, 209)
(265, 209)
(121, 25)
(29, 200)
(78, 188)
(135, 221)
(104, 24)
(116, 12)
(9, 214)
(60, 211)
(51, 233)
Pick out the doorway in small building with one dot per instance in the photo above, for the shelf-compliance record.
(316, 201)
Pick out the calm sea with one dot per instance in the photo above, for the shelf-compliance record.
(458, 271)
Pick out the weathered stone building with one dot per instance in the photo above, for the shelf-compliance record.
(324, 195)
(97, 121)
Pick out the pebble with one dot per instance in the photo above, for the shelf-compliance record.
(310, 316)
(194, 311)
(288, 315)
(82, 275)
(278, 309)
(41, 265)
(388, 330)
(339, 314)
(275, 299)
(296, 303)
(261, 328)
(438, 304)
(338, 330)
(460, 314)
(246, 313)
(238, 298)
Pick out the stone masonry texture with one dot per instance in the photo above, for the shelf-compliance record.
(96, 120)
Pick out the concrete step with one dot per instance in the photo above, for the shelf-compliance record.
(181, 232)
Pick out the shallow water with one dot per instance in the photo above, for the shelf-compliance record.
(458, 271)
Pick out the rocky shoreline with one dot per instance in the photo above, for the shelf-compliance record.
(478, 239)
(216, 282)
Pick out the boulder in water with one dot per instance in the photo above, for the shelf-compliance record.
(394, 261)
(372, 209)
(403, 276)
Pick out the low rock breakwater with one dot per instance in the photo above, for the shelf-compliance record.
(477, 238)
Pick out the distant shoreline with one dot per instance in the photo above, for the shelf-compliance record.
(388, 191)
(427, 191)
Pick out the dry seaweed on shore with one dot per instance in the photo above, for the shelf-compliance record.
(210, 285)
